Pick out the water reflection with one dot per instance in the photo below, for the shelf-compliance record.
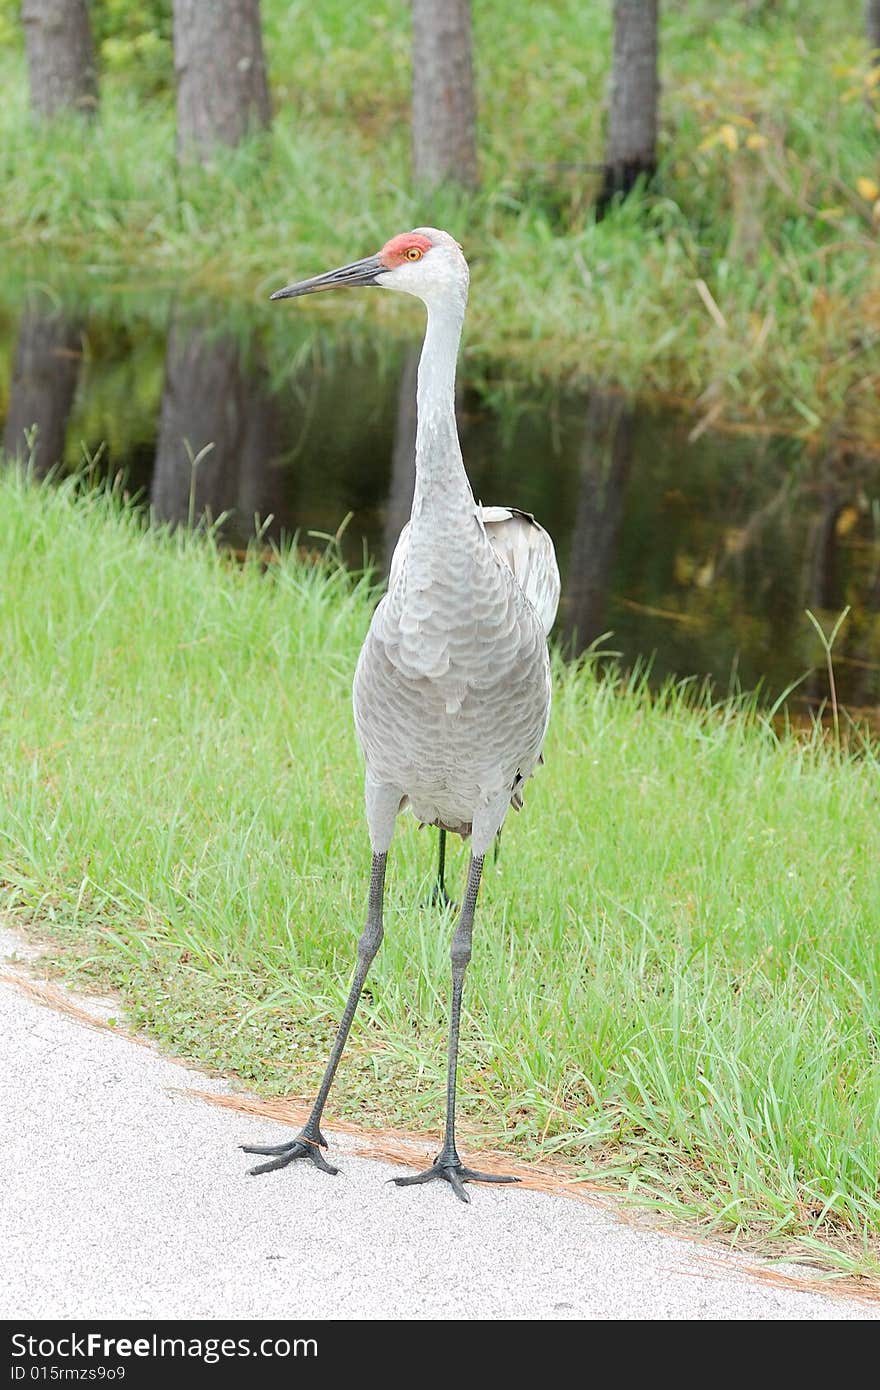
(701, 553)
(219, 430)
(402, 482)
(604, 473)
(45, 370)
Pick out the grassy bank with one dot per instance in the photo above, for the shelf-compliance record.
(751, 273)
(676, 979)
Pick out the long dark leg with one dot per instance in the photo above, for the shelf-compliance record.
(439, 895)
(310, 1140)
(447, 1164)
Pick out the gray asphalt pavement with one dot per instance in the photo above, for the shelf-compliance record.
(123, 1197)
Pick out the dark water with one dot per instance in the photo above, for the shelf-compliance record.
(700, 552)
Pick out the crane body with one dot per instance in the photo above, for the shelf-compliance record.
(452, 688)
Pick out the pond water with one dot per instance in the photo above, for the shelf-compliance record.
(698, 551)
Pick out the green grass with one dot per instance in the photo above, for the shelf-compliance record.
(676, 977)
(768, 149)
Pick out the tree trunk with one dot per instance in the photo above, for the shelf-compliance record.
(47, 361)
(443, 104)
(872, 27)
(632, 114)
(61, 59)
(222, 91)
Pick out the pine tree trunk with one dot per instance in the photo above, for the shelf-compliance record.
(443, 101)
(872, 27)
(632, 115)
(61, 59)
(47, 362)
(222, 91)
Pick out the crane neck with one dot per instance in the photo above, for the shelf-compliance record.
(441, 480)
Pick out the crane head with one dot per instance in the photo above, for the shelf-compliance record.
(425, 262)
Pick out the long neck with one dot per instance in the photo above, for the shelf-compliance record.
(442, 485)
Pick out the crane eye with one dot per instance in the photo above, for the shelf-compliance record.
(413, 253)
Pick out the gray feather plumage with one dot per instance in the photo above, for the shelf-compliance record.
(452, 689)
(526, 549)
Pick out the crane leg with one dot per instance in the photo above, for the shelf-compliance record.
(439, 895)
(309, 1142)
(447, 1166)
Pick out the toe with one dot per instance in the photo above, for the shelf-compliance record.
(280, 1162)
(470, 1175)
(272, 1149)
(416, 1179)
(453, 1178)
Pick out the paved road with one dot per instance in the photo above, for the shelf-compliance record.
(122, 1197)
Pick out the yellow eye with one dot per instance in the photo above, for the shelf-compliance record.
(413, 253)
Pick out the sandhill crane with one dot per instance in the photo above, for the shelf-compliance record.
(452, 687)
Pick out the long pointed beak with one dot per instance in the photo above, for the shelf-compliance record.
(346, 277)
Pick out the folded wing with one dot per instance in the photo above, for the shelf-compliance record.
(523, 545)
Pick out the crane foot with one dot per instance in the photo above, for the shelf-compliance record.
(307, 1144)
(448, 1167)
(440, 898)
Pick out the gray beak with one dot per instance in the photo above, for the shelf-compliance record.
(346, 277)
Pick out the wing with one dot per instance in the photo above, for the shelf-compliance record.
(528, 550)
(523, 545)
